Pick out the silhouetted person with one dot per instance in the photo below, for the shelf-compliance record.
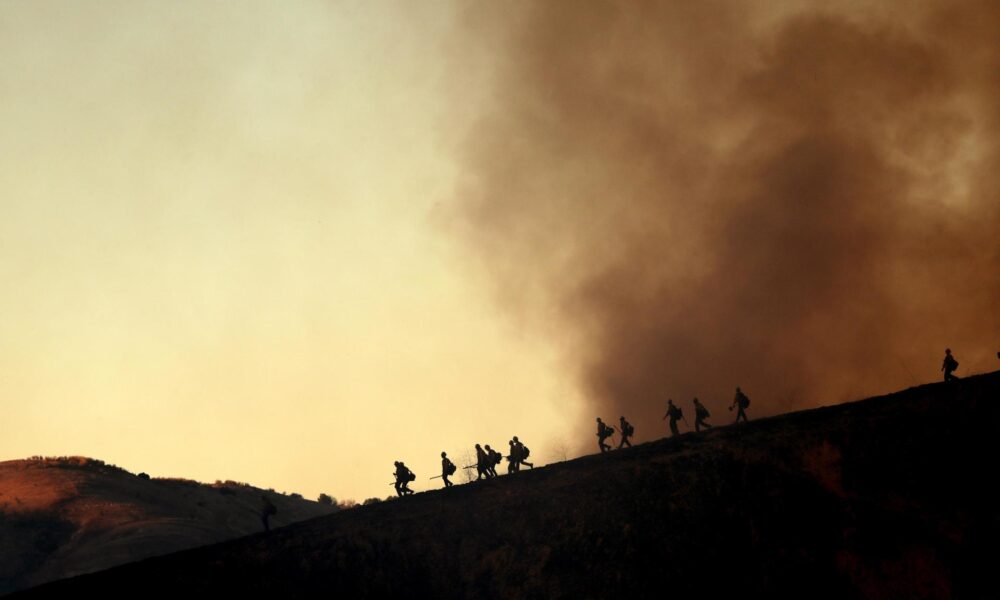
(626, 431)
(741, 402)
(482, 463)
(523, 452)
(603, 433)
(513, 459)
(949, 365)
(447, 469)
(403, 477)
(267, 508)
(700, 414)
(494, 460)
(675, 414)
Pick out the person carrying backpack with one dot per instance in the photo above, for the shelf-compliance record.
(447, 469)
(700, 414)
(521, 452)
(493, 460)
(603, 433)
(482, 463)
(675, 415)
(626, 432)
(513, 459)
(741, 401)
(949, 365)
(403, 477)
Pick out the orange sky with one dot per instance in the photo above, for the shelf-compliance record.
(220, 252)
(288, 243)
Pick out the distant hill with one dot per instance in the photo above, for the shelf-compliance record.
(61, 517)
(891, 497)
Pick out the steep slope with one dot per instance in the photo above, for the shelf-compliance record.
(64, 517)
(884, 498)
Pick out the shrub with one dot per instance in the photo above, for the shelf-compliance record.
(326, 499)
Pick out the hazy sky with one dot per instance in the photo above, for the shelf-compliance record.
(291, 242)
(220, 252)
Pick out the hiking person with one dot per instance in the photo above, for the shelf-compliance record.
(675, 415)
(741, 401)
(403, 477)
(523, 452)
(492, 461)
(603, 433)
(513, 459)
(482, 463)
(949, 365)
(626, 430)
(267, 508)
(700, 414)
(447, 469)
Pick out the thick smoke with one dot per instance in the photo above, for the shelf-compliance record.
(690, 196)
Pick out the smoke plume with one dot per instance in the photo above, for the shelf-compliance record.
(690, 196)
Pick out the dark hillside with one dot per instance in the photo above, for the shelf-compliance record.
(884, 498)
(61, 517)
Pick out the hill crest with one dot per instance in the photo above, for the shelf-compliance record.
(64, 516)
(886, 497)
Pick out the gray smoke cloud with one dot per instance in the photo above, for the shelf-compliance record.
(690, 196)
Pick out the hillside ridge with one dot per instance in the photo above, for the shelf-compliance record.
(884, 497)
(63, 516)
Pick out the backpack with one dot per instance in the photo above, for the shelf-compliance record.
(675, 413)
(606, 430)
(703, 413)
(952, 363)
(628, 429)
(497, 457)
(524, 452)
(744, 401)
(451, 468)
(410, 476)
